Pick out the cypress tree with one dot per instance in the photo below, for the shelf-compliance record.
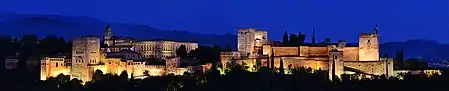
(281, 66)
(285, 38)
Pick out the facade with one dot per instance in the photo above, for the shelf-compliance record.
(87, 58)
(53, 66)
(85, 54)
(115, 55)
(125, 54)
(162, 49)
(250, 41)
(338, 58)
(226, 57)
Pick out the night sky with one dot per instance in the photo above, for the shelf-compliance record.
(399, 20)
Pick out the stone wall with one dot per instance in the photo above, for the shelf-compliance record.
(294, 62)
(336, 67)
(52, 67)
(351, 54)
(389, 64)
(227, 57)
(304, 50)
(318, 51)
(370, 67)
(285, 51)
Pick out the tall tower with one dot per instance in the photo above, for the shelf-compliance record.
(250, 41)
(85, 53)
(336, 67)
(245, 40)
(369, 46)
(107, 38)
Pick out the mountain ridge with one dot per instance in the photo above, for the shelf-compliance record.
(72, 26)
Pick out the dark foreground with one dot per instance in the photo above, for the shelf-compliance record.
(234, 80)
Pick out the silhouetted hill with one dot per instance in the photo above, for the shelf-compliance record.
(427, 49)
(70, 27)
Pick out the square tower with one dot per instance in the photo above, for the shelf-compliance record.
(245, 41)
(369, 47)
(85, 53)
(336, 67)
(250, 41)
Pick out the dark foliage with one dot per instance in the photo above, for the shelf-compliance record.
(181, 51)
(301, 79)
(206, 54)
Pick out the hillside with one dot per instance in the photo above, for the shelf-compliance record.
(427, 49)
(70, 27)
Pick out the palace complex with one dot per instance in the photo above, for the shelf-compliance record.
(115, 55)
(140, 57)
(255, 50)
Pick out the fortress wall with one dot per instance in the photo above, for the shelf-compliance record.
(318, 51)
(301, 62)
(351, 54)
(370, 67)
(304, 50)
(285, 51)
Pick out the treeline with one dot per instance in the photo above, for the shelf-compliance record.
(236, 79)
(300, 38)
(29, 49)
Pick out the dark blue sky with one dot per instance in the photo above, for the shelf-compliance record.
(399, 20)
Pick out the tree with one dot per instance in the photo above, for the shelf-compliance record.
(28, 48)
(301, 38)
(75, 85)
(285, 40)
(281, 66)
(327, 40)
(98, 75)
(124, 74)
(399, 59)
(7, 46)
(51, 45)
(414, 63)
(206, 54)
(146, 73)
(181, 51)
(386, 55)
(293, 39)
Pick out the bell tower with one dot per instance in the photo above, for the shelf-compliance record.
(107, 38)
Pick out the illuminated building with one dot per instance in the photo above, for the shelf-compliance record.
(53, 66)
(115, 55)
(85, 54)
(162, 49)
(418, 72)
(250, 41)
(339, 57)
